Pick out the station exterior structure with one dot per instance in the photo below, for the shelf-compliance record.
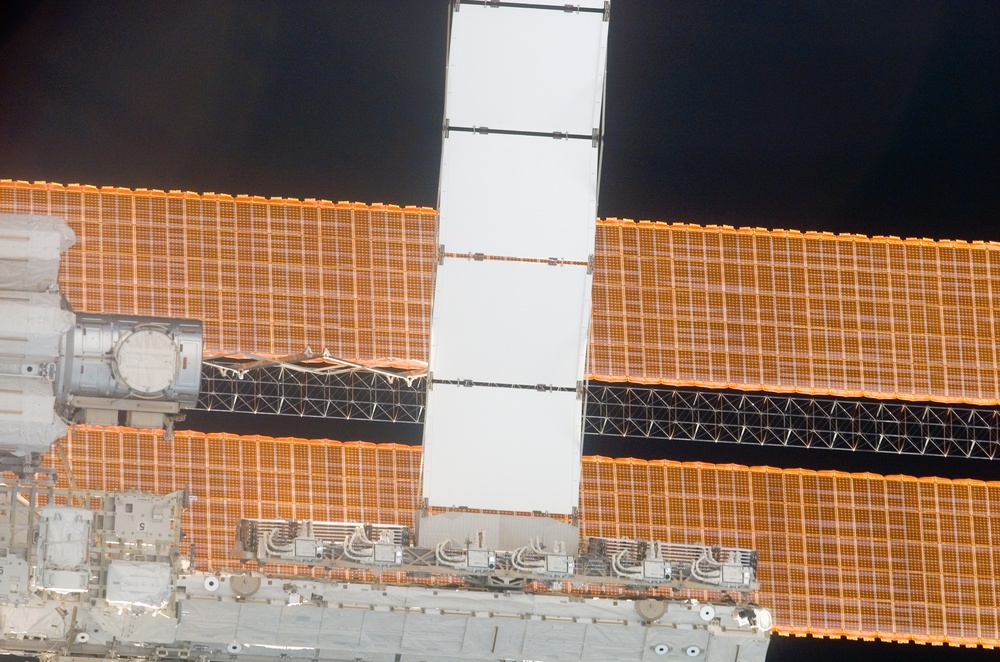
(704, 333)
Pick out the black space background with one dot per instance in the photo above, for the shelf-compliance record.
(878, 118)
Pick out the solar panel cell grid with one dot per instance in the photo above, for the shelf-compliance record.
(185, 255)
(672, 304)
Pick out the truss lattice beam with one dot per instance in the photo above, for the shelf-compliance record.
(796, 421)
(279, 389)
(640, 411)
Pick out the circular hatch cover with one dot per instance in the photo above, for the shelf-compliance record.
(146, 360)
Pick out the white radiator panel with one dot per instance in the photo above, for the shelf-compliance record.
(502, 448)
(510, 322)
(526, 69)
(518, 203)
(522, 196)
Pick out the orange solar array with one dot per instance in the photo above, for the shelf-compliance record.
(673, 304)
(267, 277)
(854, 555)
(806, 312)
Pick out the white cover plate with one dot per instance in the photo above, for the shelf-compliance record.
(147, 360)
(28, 420)
(141, 583)
(502, 73)
(518, 196)
(510, 322)
(589, 4)
(502, 449)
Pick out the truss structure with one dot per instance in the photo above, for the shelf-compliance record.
(291, 390)
(762, 419)
(767, 419)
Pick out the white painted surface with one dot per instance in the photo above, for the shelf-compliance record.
(32, 324)
(28, 421)
(147, 360)
(64, 538)
(502, 449)
(30, 247)
(509, 322)
(140, 583)
(518, 195)
(527, 70)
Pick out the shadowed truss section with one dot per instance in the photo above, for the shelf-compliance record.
(758, 419)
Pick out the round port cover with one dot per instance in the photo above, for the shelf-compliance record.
(146, 360)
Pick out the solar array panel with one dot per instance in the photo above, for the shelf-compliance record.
(681, 305)
(266, 277)
(856, 555)
(811, 312)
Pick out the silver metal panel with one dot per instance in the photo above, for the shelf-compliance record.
(519, 196)
(545, 640)
(494, 638)
(13, 579)
(299, 625)
(382, 631)
(258, 624)
(434, 634)
(90, 369)
(504, 532)
(341, 628)
(370, 622)
(613, 642)
(207, 620)
(144, 517)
